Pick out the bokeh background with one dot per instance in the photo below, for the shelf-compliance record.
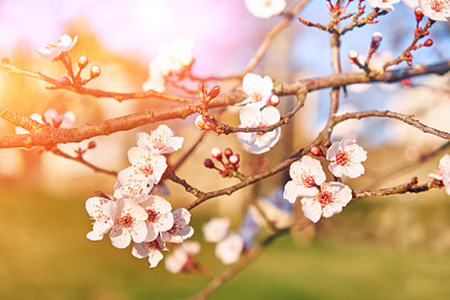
(395, 247)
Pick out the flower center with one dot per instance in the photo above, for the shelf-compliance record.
(153, 215)
(342, 158)
(146, 169)
(126, 221)
(159, 142)
(437, 5)
(308, 181)
(325, 198)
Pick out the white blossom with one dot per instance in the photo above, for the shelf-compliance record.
(216, 229)
(307, 175)
(53, 119)
(103, 212)
(258, 142)
(438, 10)
(346, 157)
(383, 4)
(330, 200)
(152, 250)
(229, 249)
(179, 258)
(180, 229)
(257, 88)
(160, 217)
(443, 173)
(265, 8)
(64, 43)
(159, 141)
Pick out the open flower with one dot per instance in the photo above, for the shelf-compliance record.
(103, 212)
(257, 88)
(180, 229)
(307, 175)
(152, 250)
(265, 8)
(383, 4)
(346, 157)
(181, 258)
(258, 142)
(160, 217)
(53, 119)
(129, 224)
(216, 229)
(64, 43)
(229, 249)
(330, 200)
(443, 173)
(438, 10)
(159, 141)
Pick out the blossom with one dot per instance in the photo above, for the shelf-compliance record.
(230, 248)
(129, 224)
(160, 217)
(152, 250)
(216, 229)
(102, 211)
(53, 119)
(258, 142)
(265, 8)
(144, 166)
(180, 229)
(64, 43)
(249, 227)
(444, 172)
(307, 175)
(346, 157)
(438, 10)
(159, 141)
(383, 4)
(181, 257)
(133, 188)
(257, 88)
(156, 80)
(411, 3)
(175, 55)
(330, 200)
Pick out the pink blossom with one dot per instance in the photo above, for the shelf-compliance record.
(258, 142)
(159, 141)
(53, 119)
(216, 229)
(129, 224)
(265, 8)
(330, 200)
(346, 157)
(152, 250)
(307, 175)
(383, 4)
(160, 217)
(64, 43)
(258, 89)
(103, 212)
(443, 173)
(229, 249)
(438, 10)
(180, 257)
(180, 229)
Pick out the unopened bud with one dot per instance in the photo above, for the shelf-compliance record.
(213, 93)
(316, 151)
(200, 122)
(95, 71)
(353, 55)
(428, 43)
(419, 14)
(376, 39)
(65, 81)
(274, 100)
(409, 63)
(216, 153)
(234, 159)
(82, 62)
(228, 152)
(209, 163)
(92, 145)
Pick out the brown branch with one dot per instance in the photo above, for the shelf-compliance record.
(393, 115)
(18, 120)
(169, 174)
(411, 187)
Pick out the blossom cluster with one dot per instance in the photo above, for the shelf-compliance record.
(257, 114)
(438, 10)
(134, 213)
(51, 118)
(320, 198)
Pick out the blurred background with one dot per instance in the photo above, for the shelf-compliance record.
(394, 247)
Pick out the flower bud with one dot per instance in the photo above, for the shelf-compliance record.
(82, 62)
(216, 153)
(213, 93)
(353, 55)
(428, 43)
(65, 81)
(274, 100)
(228, 152)
(419, 14)
(92, 145)
(209, 163)
(234, 159)
(95, 71)
(316, 151)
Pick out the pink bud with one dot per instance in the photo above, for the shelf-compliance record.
(353, 55)
(274, 100)
(234, 159)
(216, 153)
(82, 62)
(95, 71)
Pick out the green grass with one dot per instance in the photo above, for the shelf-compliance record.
(44, 255)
